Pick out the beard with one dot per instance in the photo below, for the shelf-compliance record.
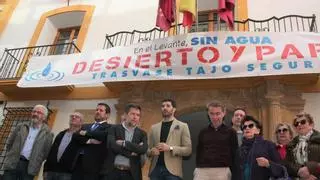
(166, 114)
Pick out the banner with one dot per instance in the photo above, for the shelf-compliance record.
(209, 55)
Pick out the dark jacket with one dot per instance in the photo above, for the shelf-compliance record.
(258, 147)
(313, 155)
(93, 155)
(67, 160)
(139, 136)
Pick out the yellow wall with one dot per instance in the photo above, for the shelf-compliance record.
(8, 8)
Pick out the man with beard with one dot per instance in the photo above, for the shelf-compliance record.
(28, 146)
(217, 147)
(238, 115)
(128, 143)
(61, 159)
(93, 138)
(169, 141)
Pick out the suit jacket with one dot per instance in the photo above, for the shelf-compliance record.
(139, 136)
(93, 155)
(67, 160)
(179, 139)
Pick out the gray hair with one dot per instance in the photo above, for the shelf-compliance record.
(45, 109)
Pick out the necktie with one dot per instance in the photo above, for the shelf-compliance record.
(94, 126)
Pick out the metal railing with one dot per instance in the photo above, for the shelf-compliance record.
(290, 23)
(12, 58)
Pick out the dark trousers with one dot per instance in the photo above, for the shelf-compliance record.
(160, 172)
(80, 173)
(118, 174)
(20, 173)
(49, 175)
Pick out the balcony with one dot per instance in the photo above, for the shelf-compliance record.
(14, 62)
(290, 23)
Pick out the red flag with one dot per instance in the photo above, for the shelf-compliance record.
(166, 14)
(226, 12)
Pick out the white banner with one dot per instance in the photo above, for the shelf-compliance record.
(209, 55)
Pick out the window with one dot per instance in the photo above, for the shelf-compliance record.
(208, 18)
(64, 41)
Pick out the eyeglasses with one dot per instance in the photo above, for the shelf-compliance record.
(250, 126)
(74, 116)
(284, 130)
(302, 122)
(37, 112)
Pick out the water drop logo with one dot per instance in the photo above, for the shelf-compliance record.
(47, 74)
(46, 70)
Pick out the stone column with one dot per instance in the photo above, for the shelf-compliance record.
(273, 97)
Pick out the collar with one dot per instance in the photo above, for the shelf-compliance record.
(172, 119)
(100, 122)
(218, 128)
(125, 127)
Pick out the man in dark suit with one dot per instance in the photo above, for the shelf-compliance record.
(61, 159)
(128, 143)
(93, 138)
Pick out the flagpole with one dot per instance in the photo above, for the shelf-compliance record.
(197, 16)
(177, 17)
(68, 2)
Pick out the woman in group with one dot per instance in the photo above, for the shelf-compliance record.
(259, 158)
(303, 152)
(283, 135)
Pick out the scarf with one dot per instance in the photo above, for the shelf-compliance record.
(301, 149)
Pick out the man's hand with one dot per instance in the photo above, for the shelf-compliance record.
(163, 147)
(83, 132)
(141, 144)
(120, 142)
(304, 172)
(94, 141)
(134, 154)
(263, 162)
(155, 152)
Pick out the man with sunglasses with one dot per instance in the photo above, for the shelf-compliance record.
(28, 146)
(303, 155)
(61, 159)
(217, 147)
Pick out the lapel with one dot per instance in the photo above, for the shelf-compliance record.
(173, 125)
(157, 132)
(135, 135)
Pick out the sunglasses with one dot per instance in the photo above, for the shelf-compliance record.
(250, 126)
(302, 122)
(284, 130)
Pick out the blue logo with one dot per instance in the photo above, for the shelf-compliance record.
(45, 75)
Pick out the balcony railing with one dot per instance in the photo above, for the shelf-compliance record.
(12, 58)
(290, 23)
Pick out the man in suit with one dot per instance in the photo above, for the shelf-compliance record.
(128, 143)
(93, 138)
(169, 141)
(61, 159)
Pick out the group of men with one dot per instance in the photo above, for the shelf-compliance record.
(102, 151)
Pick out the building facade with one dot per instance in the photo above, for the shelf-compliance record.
(60, 27)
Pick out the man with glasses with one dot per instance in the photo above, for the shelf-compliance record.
(93, 152)
(28, 146)
(303, 155)
(61, 159)
(217, 147)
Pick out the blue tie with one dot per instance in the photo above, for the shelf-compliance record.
(94, 126)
